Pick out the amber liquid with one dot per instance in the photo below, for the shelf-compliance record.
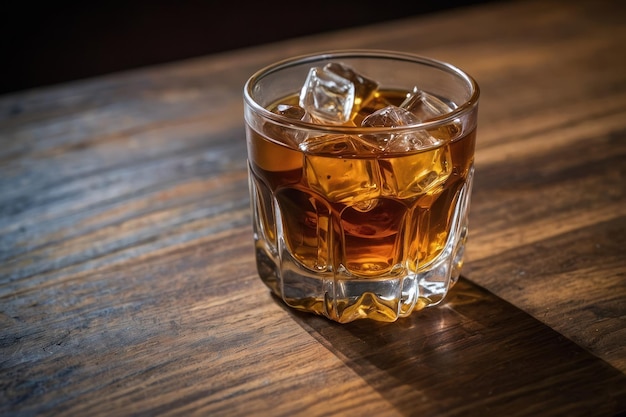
(334, 218)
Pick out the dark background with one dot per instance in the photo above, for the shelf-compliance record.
(53, 42)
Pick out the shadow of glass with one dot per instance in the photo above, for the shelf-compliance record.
(474, 355)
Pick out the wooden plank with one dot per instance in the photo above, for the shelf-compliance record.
(139, 346)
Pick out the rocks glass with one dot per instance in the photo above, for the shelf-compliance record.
(360, 172)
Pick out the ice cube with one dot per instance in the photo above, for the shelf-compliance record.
(416, 173)
(284, 134)
(335, 92)
(393, 117)
(345, 180)
(412, 141)
(338, 145)
(424, 106)
(364, 88)
(390, 116)
(327, 96)
(427, 107)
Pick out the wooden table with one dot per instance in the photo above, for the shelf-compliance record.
(128, 282)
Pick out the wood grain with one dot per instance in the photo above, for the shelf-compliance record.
(127, 276)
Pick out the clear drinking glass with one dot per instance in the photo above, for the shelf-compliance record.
(360, 172)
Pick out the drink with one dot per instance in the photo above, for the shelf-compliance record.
(348, 228)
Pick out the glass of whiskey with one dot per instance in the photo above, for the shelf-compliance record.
(360, 170)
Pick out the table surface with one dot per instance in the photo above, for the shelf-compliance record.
(127, 276)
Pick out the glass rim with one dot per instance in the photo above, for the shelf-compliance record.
(284, 121)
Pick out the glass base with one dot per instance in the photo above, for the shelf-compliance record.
(343, 298)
